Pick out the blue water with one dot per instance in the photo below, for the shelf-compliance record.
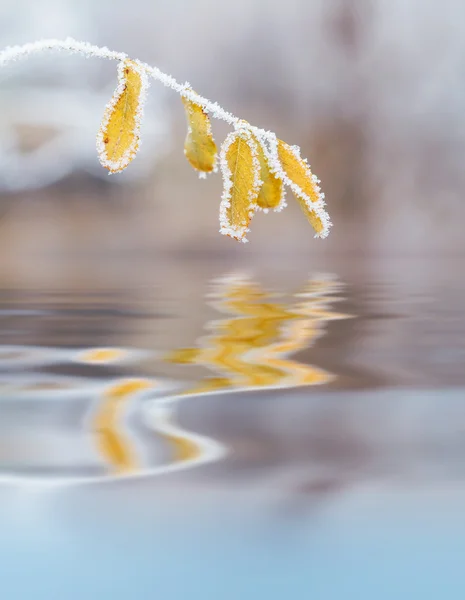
(362, 546)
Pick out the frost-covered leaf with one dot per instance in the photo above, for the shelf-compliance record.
(252, 160)
(271, 192)
(305, 186)
(314, 217)
(241, 176)
(199, 147)
(118, 136)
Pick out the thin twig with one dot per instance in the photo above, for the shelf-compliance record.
(313, 205)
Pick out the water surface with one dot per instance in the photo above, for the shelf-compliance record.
(202, 429)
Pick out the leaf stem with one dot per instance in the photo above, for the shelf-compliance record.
(13, 53)
(313, 202)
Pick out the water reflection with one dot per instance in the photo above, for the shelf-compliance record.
(20, 357)
(359, 477)
(94, 425)
(113, 442)
(251, 347)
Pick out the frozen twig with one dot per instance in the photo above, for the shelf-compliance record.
(118, 138)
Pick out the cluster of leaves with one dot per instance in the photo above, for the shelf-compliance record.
(255, 165)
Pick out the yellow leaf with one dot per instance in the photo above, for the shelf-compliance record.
(271, 192)
(199, 147)
(313, 217)
(118, 136)
(305, 187)
(298, 171)
(241, 175)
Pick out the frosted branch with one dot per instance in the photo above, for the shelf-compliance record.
(118, 137)
(13, 53)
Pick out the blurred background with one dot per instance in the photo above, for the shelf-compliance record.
(327, 458)
(373, 91)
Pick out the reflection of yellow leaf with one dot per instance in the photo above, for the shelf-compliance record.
(110, 439)
(182, 356)
(253, 331)
(305, 187)
(128, 387)
(211, 384)
(298, 335)
(199, 147)
(115, 451)
(241, 175)
(231, 356)
(183, 447)
(252, 347)
(101, 355)
(118, 137)
(271, 192)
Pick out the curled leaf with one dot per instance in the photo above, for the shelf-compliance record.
(241, 176)
(297, 174)
(118, 136)
(254, 162)
(199, 147)
(271, 193)
(314, 217)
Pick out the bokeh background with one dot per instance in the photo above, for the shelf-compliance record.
(372, 90)
(352, 489)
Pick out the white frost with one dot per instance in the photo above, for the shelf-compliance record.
(238, 231)
(115, 166)
(266, 138)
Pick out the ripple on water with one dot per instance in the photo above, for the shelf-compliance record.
(63, 428)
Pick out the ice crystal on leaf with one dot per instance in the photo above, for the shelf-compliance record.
(297, 174)
(272, 191)
(254, 163)
(240, 168)
(119, 134)
(199, 147)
